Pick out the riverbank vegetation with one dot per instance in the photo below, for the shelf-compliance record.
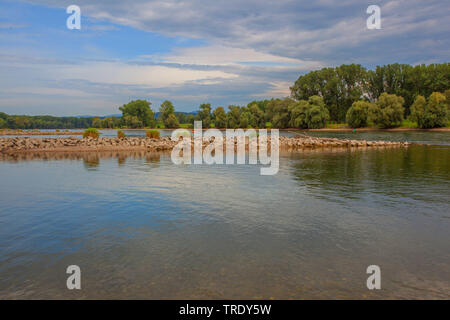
(351, 96)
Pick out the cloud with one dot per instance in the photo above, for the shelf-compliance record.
(250, 49)
(300, 29)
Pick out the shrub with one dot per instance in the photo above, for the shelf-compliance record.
(388, 110)
(120, 134)
(154, 134)
(432, 114)
(91, 132)
(358, 113)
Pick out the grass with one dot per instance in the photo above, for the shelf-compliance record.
(335, 125)
(408, 124)
(154, 134)
(91, 132)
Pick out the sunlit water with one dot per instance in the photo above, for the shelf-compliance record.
(141, 227)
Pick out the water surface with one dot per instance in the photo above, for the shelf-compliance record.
(142, 227)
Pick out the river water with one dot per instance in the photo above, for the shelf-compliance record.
(139, 226)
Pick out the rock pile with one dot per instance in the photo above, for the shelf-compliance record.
(24, 144)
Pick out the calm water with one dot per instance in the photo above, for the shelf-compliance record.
(142, 227)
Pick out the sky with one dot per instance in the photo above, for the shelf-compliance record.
(197, 51)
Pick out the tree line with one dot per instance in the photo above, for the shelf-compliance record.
(383, 97)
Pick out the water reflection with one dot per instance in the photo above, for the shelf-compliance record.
(142, 227)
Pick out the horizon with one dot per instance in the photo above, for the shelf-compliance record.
(192, 53)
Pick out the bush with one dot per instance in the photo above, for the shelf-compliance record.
(316, 115)
(120, 134)
(154, 134)
(432, 114)
(388, 110)
(91, 132)
(358, 113)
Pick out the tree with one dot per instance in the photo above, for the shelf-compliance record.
(132, 122)
(357, 115)
(171, 121)
(245, 118)
(167, 115)
(141, 110)
(433, 114)
(257, 118)
(316, 114)
(277, 112)
(220, 118)
(233, 117)
(418, 109)
(204, 115)
(297, 111)
(388, 110)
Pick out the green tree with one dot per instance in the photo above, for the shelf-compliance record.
(388, 110)
(220, 118)
(297, 111)
(204, 115)
(418, 109)
(139, 109)
(233, 117)
(435, 113)
(357, 115)
(171, 121)
(165, 110)
(316, 114)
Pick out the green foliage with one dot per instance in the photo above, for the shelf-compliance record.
(343, 85)
(91, 132)
(388, 111)
(316, 114)
(357, 115)
(204, 115)
(297, 112)
(43, 122)
(137, 114)
(153, 134)
(120, 134)
(171, 122)
(418, 108)
(220, 118)
(234, 115)
(108, 122)
(167, 115)
(432, 114)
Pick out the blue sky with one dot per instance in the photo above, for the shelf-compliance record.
(196, 51)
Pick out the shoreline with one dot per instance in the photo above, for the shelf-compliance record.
(73, 144)
(8, 132)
